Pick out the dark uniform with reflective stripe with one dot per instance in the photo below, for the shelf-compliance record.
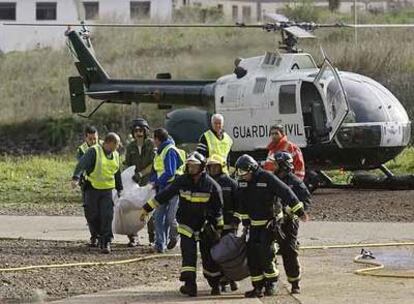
(257, 209)
(289, 245)
(198, 203)
(229, 189)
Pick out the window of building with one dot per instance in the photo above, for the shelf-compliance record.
(235, 12)
(220, 7)
(287, 99)
(247, 13)
(46, 10)
(91, 10)
(8, 11)
(197, 4)
(140, 9)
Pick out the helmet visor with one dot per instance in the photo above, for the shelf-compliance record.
(241, 172)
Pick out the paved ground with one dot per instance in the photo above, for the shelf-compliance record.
(328, 274)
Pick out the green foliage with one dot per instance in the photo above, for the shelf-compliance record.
(302, 11)
(58, 131)
(34, 180)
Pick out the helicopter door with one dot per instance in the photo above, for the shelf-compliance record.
(333, 94)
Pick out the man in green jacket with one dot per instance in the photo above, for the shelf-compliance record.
(140, 153)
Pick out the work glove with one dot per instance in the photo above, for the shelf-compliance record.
(274, 226)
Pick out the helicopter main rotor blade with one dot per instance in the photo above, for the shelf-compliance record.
(401, 25)
(120, 25)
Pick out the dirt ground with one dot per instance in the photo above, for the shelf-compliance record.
(328, 205)
(49, 284)
(323, 269)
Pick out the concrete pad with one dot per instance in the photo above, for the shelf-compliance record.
(164, 292)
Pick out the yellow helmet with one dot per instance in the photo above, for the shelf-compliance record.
(216, 159)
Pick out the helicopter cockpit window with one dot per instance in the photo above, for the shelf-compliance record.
(303, 62)
(287, 99)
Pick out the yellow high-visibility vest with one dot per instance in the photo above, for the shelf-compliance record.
(218, 146)
(102, 176)
(159, 161)
(84, 146)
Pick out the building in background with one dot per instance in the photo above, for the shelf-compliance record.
(68, 11)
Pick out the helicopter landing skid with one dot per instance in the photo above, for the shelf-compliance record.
(360, 180)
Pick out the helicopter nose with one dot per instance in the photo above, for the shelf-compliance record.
(376, 116)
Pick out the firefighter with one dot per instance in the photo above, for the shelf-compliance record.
(261, 215)
(140, 153)
(199, 217)
(280, 142)
(216, 140)
(103, 174)
(215, 165)
(284, 169)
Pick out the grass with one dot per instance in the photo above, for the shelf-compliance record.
(403, 164)
(33, 182)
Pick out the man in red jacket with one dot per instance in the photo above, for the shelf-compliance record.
(281, 143)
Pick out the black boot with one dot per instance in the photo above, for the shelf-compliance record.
(255, 293)
(172, 243)
(233, 286)
(223, 287)
(215, 290)
(132, 241)
(106, 248)
(93, 242)
(270, 289)
(295, 288)
(189, 288)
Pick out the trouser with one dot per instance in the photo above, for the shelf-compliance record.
(288, 248)
(261, 256)
(165, 223)
(211, 270)
(92, 230)
(151, 229)
(99, 212)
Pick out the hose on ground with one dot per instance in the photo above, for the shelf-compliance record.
(360, 259)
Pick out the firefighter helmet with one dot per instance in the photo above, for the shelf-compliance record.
(246, 164)
(284, 160)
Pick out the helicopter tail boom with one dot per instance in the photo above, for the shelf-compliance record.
(95, 83)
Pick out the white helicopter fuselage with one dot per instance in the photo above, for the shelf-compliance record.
(315, 105)
(251, 104)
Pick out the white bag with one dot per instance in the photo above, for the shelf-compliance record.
(128, 207)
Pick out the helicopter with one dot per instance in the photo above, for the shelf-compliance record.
(339, 119)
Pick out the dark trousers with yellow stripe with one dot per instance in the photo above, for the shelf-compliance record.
(261, 256)
(289, 249)
(211, 270)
